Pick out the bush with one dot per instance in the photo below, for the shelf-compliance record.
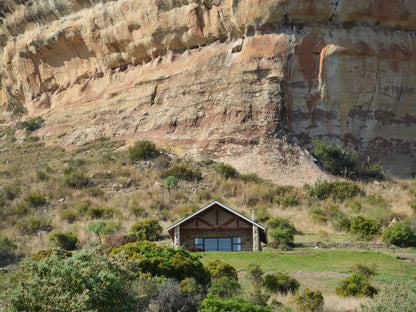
(203, 194)
(309, 301)
(165, 261)
(364, 270)
(219, 269)
(183, 172)
(70, 215)
(282, 231)
(334, 159)
(364, 228)
(356, 285)
(250, 177)
(7, 250)
(76, 179)
(35, 200)
(338, 190)
(224, 287)
(213, 304)
(31, 225)
(11, 191)
(32, 124)
(143, 150)
(83, 282)
(395, 297)
(147, 229)
(280, 283)
(226, 170)
(101, 212)
(400, 234)
(64, 240)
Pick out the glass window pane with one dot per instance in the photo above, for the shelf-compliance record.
(224, 244)
(236, 240)
(236, 247)
(199, 240)
(211, 244)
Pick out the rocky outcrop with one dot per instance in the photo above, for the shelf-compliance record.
(249, 82)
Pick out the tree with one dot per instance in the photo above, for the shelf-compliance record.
(97, 228)
(400, 234)
(282, 232)
(170, 183)
(83, 282)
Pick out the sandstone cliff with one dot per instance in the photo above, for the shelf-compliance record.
(249, 82)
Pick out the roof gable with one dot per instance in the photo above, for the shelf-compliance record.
(206, 210)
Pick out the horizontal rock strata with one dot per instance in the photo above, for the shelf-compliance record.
(248, 82)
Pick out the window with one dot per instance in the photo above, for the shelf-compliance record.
(217, 244)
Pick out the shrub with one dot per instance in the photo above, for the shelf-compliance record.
(364, 270)
(338, 190)
(143, 150)
(250, 177)
(400, 234)
(161, 162)
(82, 206)
(364, 228)
(226, 170)
(280, 283)
(81, 282)
(203, 194)
(70, 215)
(7, 250)
(95, 191)
(11, 191)
(334, 159)
(42, 176)
(101, 212)
(318, 216)
(309, 301)
(288, 200)
(224, 287)
(30, 225)
(136, 210)
(32, 124)
(356, 285)
(282, 231)
(64, 240)
(219, 269)
(147, 229)
(395, 297)
(183, 172)
(261, 213)
(76, 179)
(165, 261)
(35, 200)
(213, 304)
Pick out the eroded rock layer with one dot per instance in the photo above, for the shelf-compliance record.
(249, 82)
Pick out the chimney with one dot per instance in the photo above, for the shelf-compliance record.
(252, 215)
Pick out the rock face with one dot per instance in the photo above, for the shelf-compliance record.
(248, 82)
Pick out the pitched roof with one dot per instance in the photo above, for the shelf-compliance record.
(221, 205)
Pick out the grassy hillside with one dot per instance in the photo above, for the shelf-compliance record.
(45, 188)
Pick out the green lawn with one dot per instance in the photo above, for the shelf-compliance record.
(321, 269)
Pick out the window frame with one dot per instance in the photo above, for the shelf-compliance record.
(236, 243)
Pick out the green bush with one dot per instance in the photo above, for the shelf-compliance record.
(364, 228)
(250, 177)
(32, 124)
(70, 215)
(364, 269)
(336, 160)
(143, 150)
(338, 190)
(280, 283)
(76, 179)
(226, 170)
(214, 304)
(97, 228)
(81, 282)
(11, 191)
(394, 297)
(288, 200)
(400, 234)
(30, 225)
(282, 231)
(182, 172)
(164, 261)
(147, 229)
(97, 212)
(318, 216)
(219, 269)
(35, 200)
(64, 240)
(7, 250)
(203, 194)
(82, 206)
(309, 301)
(94, 191)
(224, 288)
(356, 285)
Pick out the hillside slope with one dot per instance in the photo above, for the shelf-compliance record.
(250, 83)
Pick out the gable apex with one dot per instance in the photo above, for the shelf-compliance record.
(215, 202)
